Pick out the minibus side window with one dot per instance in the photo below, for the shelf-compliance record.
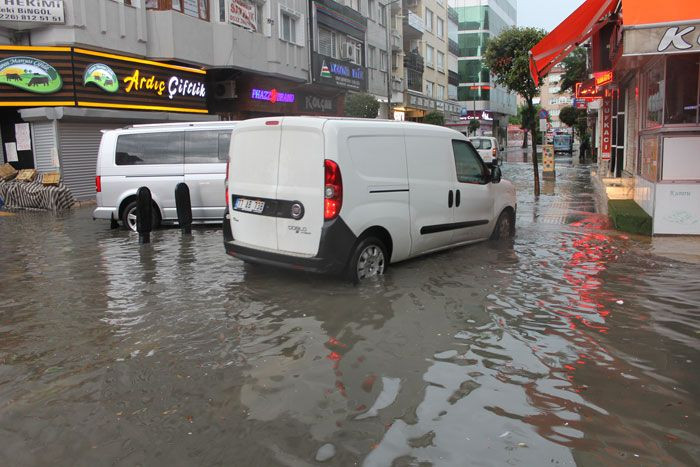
(470, 168)
(150, 148)
(202, 147)
(224, 143)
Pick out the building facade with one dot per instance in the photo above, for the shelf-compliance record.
(479, 97)
(553, 100)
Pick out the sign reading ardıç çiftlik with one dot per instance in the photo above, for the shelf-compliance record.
(32, 11)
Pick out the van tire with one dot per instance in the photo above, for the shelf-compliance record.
(369, 259)
(505, 226)
(129, 223)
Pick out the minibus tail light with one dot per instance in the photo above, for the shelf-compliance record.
(333, 190)
(228, 162)
(98, 184)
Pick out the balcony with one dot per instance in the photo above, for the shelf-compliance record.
(414, 61)
(452, 15)
(453, 47)
(453, 78)
(413, 26)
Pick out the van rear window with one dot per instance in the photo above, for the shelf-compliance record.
(481, 143)
(150, 148)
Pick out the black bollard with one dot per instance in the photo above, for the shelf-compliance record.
(113, 224)
(184, 207)
(144, 214)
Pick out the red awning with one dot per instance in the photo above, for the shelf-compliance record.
(574, 30)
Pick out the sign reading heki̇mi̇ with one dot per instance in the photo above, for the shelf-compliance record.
(339, 73)
(662, 40)
(19, 14)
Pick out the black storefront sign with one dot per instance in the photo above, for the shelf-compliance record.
(338, 73)
(314, 104)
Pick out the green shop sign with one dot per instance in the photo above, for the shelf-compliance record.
(101, 76)
(30, 74)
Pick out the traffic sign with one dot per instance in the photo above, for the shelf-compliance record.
(543, 114)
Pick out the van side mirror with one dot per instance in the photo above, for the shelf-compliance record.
(496, 174)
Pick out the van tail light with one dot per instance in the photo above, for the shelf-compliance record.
(98, 184)
(226, 183)
(494, 153)
(333, 190)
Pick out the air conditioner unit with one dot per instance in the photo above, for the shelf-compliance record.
(348, 51)
(225, 89)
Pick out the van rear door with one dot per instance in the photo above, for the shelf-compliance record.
(300, 184)
(253, 168)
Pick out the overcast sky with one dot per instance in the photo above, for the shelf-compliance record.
(545, 14)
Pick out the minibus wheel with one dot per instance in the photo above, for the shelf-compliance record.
(369, 259)
(129, 216)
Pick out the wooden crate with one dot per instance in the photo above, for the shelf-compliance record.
(7, 172)
(51, 179)
(26, 175)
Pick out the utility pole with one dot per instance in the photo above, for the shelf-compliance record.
(389, 55)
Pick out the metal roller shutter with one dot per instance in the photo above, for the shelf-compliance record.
(79, 144)
(43, 142)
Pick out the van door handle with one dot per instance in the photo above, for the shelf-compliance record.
(450, 197)
(457, 199)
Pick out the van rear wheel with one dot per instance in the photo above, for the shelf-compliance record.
(129, 216)
(368, 260)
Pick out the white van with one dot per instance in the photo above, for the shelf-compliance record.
(352, 195)
(487, 147)
(159, 157)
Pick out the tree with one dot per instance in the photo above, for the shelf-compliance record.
(508, 59)
(523, 119)
(577, 120)
(361, 105)
(473, 126)
(576, 70)
(435, 118)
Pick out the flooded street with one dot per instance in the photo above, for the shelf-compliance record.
(573, 345)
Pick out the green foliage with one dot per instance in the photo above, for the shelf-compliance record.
(576, 119)
(568, 116)
(507, 58)
(361, 105)
(473, 126)
(435, 118)
(527, 119)
(576, 69)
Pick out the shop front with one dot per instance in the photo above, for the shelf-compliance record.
(56, 100)
(416, 106)
(262, 96)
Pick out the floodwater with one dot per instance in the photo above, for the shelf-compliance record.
(572, 345)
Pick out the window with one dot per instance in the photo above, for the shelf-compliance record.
(554, 89)
(356, 55)
(150, 148)
(440, 91)
(428, 20)
(206, 147)
(327, 42)
(288, 30)
(371, 9)
(682, 73)
(655, 85)
(382, 14)
(222, 11)
(481, 143)
(371, 53)
(197, 8)
(429, 51)
(354, 4)
(383, 58)
(429, 89)
(440, 61)
(470, 168)
(440, 32)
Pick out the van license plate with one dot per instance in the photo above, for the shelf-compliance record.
(249, 205)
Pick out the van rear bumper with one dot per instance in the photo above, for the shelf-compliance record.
(104, 213)
(337, 242)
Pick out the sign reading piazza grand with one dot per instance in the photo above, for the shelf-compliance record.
(65, 76)
(25, 14)
(662, 40)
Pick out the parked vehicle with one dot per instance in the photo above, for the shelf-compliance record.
(487, 147)
(347, 195)
(159, 157)
(562, 143)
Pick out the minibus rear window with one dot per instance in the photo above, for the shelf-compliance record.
(150, 148)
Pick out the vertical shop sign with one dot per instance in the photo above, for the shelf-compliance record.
(606, 133)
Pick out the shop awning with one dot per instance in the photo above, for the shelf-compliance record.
(574, 30)
(637, 13)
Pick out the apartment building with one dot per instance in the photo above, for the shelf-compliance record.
(552, 99)
(479, 97)
(426, 60)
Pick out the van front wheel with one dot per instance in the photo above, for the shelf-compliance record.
(368, 260)
(129, 216)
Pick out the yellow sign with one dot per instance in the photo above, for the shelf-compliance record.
(136, 82)
(548, 160)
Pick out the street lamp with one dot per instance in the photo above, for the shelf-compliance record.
(389, 55)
